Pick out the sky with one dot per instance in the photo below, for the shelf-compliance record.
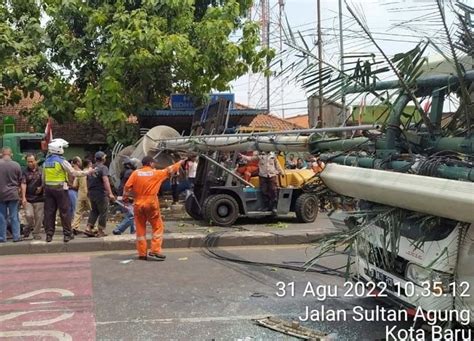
(287, 96)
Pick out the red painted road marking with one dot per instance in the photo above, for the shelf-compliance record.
(46, 297)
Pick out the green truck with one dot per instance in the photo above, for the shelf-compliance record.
(23, 144)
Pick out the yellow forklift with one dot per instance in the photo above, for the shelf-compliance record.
(221, 196)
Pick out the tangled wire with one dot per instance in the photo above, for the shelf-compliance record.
(431, 165)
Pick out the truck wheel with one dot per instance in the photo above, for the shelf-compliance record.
(306, 208)
(192, 208)
(221, 209)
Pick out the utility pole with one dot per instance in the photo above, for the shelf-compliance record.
(281, 4)
(320, 62)
(249, 80)
(341, 45)
(265, 22)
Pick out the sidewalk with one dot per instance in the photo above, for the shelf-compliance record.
(184, 232)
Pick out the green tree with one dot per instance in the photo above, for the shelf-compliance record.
(115, 58)
(23, 64)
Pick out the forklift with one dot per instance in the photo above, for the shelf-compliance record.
(221, 196)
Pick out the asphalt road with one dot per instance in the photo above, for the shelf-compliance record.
(190, 296)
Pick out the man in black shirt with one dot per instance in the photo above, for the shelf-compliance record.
(100, 192)
(32, 197)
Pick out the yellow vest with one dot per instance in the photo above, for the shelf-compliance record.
(54, 173)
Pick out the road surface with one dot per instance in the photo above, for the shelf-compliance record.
(190, 296)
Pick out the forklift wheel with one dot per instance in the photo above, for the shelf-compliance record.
(306, 208)
(192, 208)
(221, 209)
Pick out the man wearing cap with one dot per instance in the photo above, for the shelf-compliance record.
(55, 173)
(100, 192)
(144, 184)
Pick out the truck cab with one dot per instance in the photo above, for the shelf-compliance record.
(432, 271)
(23, 144)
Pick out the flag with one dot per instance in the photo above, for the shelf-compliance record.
(427, 105)
(48, 131)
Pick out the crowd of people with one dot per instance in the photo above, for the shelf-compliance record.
(299, 163)
(58, 186)
(76, 187)
(71, 188)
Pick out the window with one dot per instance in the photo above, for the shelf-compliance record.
(30, 146)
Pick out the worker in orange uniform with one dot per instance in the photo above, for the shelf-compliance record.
(247, 168)
(317, 165)
(145, 184)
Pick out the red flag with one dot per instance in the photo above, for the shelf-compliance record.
(427, 106)
(48, 132)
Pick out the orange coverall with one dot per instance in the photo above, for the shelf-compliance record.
(145, 183)
(249, 169)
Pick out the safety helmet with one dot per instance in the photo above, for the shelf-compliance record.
(56, 146)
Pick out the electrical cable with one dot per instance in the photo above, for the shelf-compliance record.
(210, 252)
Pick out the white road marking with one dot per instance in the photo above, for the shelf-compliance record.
(61, 317)
(10, 316)
(41, 333)
(62, 292)
(193, 319)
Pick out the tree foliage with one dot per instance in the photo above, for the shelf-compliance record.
(106, 59)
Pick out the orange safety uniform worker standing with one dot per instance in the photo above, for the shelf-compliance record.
(145, 184)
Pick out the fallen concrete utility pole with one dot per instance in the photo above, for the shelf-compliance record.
(436, 196)
(278, 141)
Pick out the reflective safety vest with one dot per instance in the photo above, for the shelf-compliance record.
(54, 173)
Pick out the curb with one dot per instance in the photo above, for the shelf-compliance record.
(171, 241)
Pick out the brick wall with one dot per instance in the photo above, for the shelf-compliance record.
(73, 132)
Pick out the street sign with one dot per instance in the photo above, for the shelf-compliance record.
(182, 102)
(186, 102)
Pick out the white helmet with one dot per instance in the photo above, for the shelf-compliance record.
(56, 146)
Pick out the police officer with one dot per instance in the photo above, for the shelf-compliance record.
(55, 172)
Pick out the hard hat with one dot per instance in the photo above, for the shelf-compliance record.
(99, 155)
(56, 146)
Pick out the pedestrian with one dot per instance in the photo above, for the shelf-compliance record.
(268, 169)
(191, 169)
(32, 191)
(10, 180)
(174, 180)
(291, 163)
(300, 164)
(83, 204)
(56, 171)
(145, 184)
(72, 191)
(99, 192)
(129, 166)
